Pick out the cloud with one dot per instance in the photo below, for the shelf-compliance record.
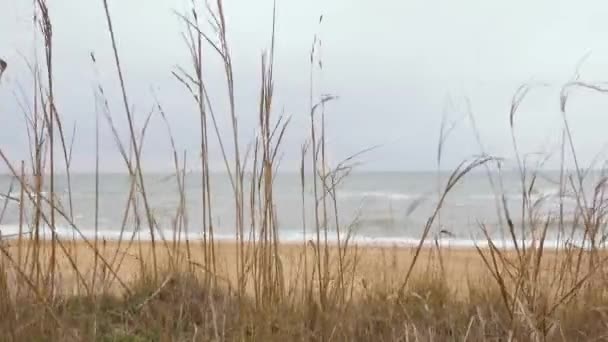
(393, 64)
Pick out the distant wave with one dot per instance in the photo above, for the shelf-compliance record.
(548, 194)
(398, 196)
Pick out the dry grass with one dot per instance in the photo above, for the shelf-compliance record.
(462, 301)
(260, 289)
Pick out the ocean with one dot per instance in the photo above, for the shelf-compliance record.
(376, 207)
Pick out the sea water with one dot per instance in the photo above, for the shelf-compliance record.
(372, 207)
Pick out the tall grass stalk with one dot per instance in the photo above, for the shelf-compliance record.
(173, 288)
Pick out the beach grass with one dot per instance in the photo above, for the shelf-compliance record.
(257, 288)
(456, 300)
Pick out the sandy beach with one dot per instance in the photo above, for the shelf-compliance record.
(375, 266)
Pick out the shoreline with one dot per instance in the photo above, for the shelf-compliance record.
(297, 238)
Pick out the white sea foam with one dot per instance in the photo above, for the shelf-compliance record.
(9, 232)
(397, 196)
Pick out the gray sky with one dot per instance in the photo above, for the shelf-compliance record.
(393, 63)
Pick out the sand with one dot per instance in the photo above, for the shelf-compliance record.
(380, 267)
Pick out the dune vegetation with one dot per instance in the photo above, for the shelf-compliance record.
(259, 289)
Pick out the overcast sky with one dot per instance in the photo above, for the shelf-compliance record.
(397, 66)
